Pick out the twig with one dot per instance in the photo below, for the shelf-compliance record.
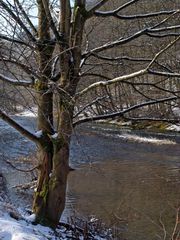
(177, 222)
(22, 170)
(163, 227)
(26, 185)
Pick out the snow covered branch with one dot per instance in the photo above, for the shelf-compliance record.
(115, 43)
(97, 6)
(25, 83)
(162, 73)
(113, 81)
(128, 76)
(130, 17)
(150, 31)
(114, 12)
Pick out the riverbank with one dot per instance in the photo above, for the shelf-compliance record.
(17, 224)
(153, 126)
(113, 167)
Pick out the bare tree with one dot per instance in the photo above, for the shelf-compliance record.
(65, 58)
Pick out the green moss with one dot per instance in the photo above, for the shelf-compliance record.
(39, 85)
(80, 9)
(161, 126)
(52, 183)
(152, 125)
(76, 11)
(42, 195)
(58, 143)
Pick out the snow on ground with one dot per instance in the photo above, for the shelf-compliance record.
(141, 139)
(174, 127)
(31, 112)
(11, 229)
(16, 226)
(23, 229)
(39, 133)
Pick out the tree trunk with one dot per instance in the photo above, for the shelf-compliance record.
(50, 196)
(57, 184)
(40, 196)
(49, 199)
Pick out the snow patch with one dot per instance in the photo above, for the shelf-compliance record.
(140, 139)
(31, 218)
(50, 175)
(176, 111)
(11, 229)
(55, 135)
(39, 133)
(174, 128)
(28, 113)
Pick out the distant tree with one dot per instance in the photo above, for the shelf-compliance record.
(114, 55)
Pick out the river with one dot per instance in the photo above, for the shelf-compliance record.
(127, 183)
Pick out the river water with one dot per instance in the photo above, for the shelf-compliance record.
(128, 184)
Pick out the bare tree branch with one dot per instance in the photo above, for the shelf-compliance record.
(174, 27)
(89, 104)
(121, 113)
(162, 35)
(22, 170)
(171, 120)
(151, 85)
(23, 66)
(162, 51)
(26, 17)
(14, 40)
(118, 42)
(51, 22)
(114, 12)
(18, 20)
(19, 128)
(97, 6)
(123, 41)
(167, 74)
(94, 75)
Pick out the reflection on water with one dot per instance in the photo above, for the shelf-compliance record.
(130, 185)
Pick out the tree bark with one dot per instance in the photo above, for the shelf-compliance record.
(49, 199)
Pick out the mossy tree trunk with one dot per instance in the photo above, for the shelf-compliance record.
(50, 196)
